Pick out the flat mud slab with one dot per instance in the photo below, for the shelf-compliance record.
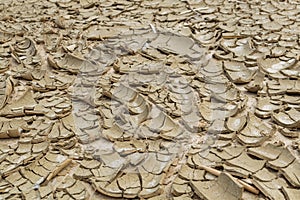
(149, 99)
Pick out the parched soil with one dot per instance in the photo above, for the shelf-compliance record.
(160, 99)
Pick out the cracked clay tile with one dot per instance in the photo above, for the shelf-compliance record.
(124, 148)
(183, 197)
(189, 174)
(4, 65)
(236, 123)
(24, 147)
(237, 72)
(268, 151)
(251, 141)
(255, 132)
(271, 188)
(66, 182)
(154, 166)
(264, 175)
(78, 191)
(130, 184)
(241, 48)
(45, 191)
(150, 180)
(100, 33)
(265, 107)
(113, 133)
(25, 47)
(237, 171)
(274, 65)
(211, 113)
(110, 189)
(90, 164)
(5, 37)
(294, 114)
(207, 39)
(6, 88)
(38, 169)
(73, 64)
(213, 67)
(218, 126)
(82, 173)
(227, 153)
(244, 161)
(284, 159)
(113, 160)
(272, 26)
(11, 128)
(225, 187)
(292, 173)
(15, 179)
(291, 73)
(290, 193)
(150, 192)
(292, 133)
(181, 189)
(32, 177)
(103, 174)
(231, 94)
(209, 159)
(285, 118)
(26, 101)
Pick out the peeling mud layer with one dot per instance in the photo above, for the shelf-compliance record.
(150, 99)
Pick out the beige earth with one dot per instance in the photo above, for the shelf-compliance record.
(160, 99)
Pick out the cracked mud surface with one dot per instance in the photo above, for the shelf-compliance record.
(149, 99)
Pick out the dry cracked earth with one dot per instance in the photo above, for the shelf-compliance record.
(160, 99)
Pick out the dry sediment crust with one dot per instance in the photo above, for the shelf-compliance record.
(128, 99)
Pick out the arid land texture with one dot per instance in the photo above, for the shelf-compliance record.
(158, 100)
